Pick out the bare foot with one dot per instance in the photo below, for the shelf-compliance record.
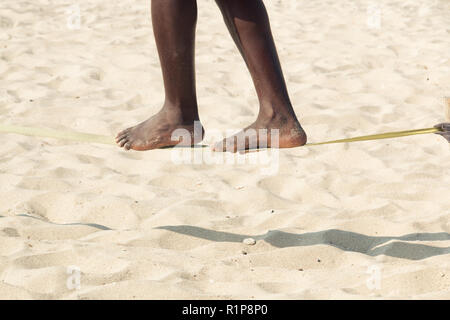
(159, 131)
(263, 134)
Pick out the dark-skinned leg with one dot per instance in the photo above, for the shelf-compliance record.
(174, 23)
(248, 23)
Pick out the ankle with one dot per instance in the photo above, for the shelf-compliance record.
(181, 113)
(277, 112)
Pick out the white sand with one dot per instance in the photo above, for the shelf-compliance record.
(329, 224)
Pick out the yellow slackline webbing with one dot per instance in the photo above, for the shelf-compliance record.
(50, 133)
(95, 138)
(379, 136)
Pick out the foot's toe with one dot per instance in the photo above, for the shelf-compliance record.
(121, 137)
(231, 145)
(123, 132)
(218, 146)
(123, 142)
(119, 134)
(127, 146)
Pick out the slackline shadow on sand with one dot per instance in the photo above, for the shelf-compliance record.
(93, 225)
(396, 247)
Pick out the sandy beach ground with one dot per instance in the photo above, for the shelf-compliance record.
(351, 221)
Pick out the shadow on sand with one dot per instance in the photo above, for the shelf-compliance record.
(93, 225)
(344, 240)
